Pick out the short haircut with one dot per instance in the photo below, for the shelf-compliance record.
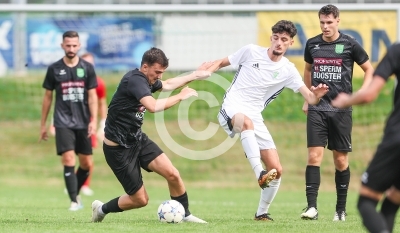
(285, 26)
(329, 9)
(70, 34)
(154, 55)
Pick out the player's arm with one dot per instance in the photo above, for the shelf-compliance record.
(153, 105)
(93, 105)
(314, 94)
(46, 104)
(363, 96)
(307, 75)
(219, 64)
(177, 82)
(368, 73)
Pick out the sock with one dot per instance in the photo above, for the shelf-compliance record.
(111, 206)
(267, 196)
(184, 200)
(389, 210)
(71, 182)
(342, 180)
(313, 180)
(81, 176)
(252, 150)
(372, 220)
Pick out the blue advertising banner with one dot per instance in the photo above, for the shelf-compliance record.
(6, 45)
(116, 43)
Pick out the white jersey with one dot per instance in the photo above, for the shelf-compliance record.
(258, 79)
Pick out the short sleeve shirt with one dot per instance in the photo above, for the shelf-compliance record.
(258, 79)
(71, 85)
(332, 64)
(125, 112)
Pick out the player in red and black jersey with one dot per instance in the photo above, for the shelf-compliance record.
(330, 58)
(383, 173)
(75, 113)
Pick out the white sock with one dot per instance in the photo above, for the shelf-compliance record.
(100, 210)
(267, 196)
(252, 150)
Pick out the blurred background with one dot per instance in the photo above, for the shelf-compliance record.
(190, 32)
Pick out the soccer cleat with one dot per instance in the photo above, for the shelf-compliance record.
(310, 213)
(340, 215)
(96, 215)
(266, 177)
(263, 217)
(87, 191)
(192, 218)
(75, 206)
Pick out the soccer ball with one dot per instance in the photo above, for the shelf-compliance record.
(171, 211)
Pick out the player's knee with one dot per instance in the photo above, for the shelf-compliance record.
(314, 158)
(393, 194)
(173, 176)
(86, 164)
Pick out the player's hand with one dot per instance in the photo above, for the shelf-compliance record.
(320, 90)
(187, 92)
(305, 107)
(43, 134)
(205, 65)
(201, 74)
(100, 131)
(92, 128)
(341, 101)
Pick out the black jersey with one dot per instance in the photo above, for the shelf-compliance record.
(71, 85)
(390, 64)
(332, 64)
(125, 112)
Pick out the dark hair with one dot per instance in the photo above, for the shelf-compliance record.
(154, 55)
(70, 34)
(285, 26)
(329, 9)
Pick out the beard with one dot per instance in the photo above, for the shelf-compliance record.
(70, 55)
(274, 52)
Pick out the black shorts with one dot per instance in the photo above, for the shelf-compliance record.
(73, 139)
(330, 128)
(126, 162)
(384, 168)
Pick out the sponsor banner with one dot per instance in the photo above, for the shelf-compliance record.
(374, 30)
(6, 45)
(116, 43)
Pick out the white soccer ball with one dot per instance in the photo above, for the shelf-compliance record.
(171, 211)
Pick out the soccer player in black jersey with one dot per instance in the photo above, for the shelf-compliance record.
(127, 149)
(75, 113)
(383, 173)
(329, 59)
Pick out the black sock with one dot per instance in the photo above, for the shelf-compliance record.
(342, 180)
(111, 206)
(389, 210)
(81, 176)
(372, 220)
(313, 180)
(71, 182)
(184, 200)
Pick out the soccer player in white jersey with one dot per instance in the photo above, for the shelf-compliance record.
(261, 75)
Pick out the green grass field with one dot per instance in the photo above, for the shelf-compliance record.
(222, 190)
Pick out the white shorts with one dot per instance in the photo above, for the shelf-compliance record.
(264, 138)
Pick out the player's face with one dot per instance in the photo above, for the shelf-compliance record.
(280, 42)
(153, 72)
(329, 26)
(71, 46)
(89, 59)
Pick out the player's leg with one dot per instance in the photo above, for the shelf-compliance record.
(86, 190)
(65, 143)
(124, 162)
(390, 205)
(317, 135)
(84, 150)
(381, 175)
(339, 141)
(152, 159)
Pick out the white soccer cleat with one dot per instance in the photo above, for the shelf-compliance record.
(310, 213)
(192, 218)
(96, 215)
(87, 191)
(339, 216)
(75, 206)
